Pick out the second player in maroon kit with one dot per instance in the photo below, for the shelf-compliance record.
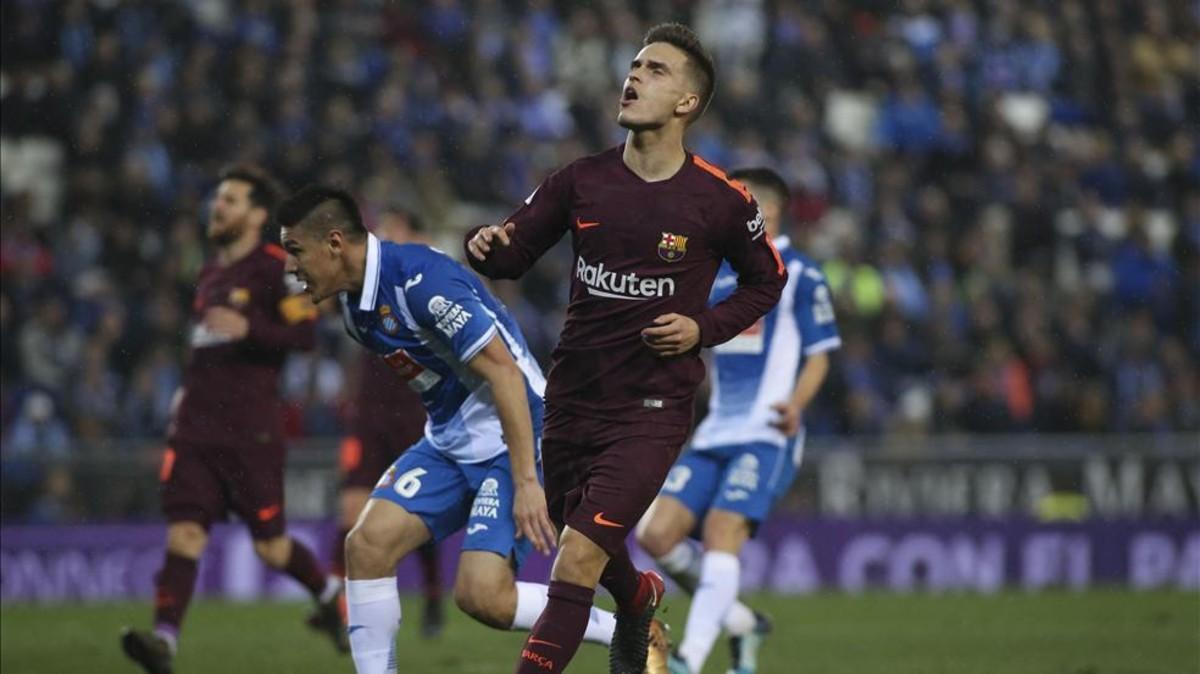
(650, 224)
(226, 450)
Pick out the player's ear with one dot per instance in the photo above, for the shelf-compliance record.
(334, 241)
(687, 105)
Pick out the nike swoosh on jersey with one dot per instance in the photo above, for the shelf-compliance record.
(585, 225)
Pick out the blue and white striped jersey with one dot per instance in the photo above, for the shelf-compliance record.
(428, 316)
(758, 368)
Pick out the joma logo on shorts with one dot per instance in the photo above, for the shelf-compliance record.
(628, 286)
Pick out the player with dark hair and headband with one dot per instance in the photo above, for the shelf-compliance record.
(650, 225)
(476, 466)
(225, 446)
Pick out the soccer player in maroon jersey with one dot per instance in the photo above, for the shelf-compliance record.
(388, 418)
(226, 450)
(650, 224)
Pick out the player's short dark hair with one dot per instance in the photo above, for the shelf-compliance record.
(265, 191)
(764, 177)
(322, 206)
(699, 60)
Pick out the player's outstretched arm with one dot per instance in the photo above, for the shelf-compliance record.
(495, 365)
(791, 411)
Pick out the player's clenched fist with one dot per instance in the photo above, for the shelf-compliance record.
(481, 244)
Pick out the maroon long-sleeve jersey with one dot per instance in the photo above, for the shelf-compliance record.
(231, 387)
(642, 249)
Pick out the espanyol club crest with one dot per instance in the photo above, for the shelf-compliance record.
(673, 247)
(388, 320)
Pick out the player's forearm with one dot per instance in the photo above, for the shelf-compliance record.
(512, 406)
(494, 364)
(812, 375)
(502, 262)
(751, 301)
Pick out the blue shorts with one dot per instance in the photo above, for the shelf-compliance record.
(448, 496)
(745, 479)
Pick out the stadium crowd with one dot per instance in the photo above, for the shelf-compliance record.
(1005, 193)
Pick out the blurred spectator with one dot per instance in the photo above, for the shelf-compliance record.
(50, 344)
(38, 430)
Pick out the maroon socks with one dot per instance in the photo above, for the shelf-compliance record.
(557, 634)
(621, 580)
(173, 587)
(302, 565)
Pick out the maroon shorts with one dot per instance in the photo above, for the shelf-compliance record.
(366, 456)
(204, 483)
(601, 476)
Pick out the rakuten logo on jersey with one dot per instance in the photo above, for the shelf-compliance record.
(627, 286)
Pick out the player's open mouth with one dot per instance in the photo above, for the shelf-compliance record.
(628, 96)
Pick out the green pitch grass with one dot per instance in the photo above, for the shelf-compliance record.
(1105, 632)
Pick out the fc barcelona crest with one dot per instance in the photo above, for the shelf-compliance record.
(239, 297)
(673, 247)
(388, 320)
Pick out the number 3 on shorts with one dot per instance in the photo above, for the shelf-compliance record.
(677, 478)
(408, 484)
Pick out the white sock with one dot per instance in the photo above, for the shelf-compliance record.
(739, 620)
(718, 588)
(333, 585)
(374, 616)
(682, 564)
(531, 601)
(171, 639)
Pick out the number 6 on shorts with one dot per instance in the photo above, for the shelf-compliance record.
(408, 484)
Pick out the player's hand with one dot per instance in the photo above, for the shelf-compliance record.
(532, 517)
(227, 322)
(672, 335)
(481, 244)
(789, 418)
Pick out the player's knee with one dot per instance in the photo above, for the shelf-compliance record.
(725, 532)
(666, 524)
(187, 539)
(654, 537)
(274, 551)
(367, 550)
(486, 600)
(580, 560)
